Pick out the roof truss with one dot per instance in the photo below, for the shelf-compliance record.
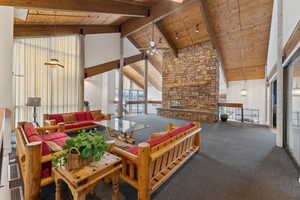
(95, 6)
(27, 30)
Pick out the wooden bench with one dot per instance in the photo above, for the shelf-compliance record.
(152, 166)
(30, 159)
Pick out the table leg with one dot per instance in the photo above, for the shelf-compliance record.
(115, 186)
(58, 188)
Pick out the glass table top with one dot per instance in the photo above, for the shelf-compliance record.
(122, 125)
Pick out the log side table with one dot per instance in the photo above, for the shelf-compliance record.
(83, 181)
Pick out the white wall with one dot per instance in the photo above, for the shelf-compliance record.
(291, 16)
(99, 49)
(6, 56)
(255, 98)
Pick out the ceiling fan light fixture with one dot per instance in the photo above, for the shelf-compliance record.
(176, 36)
(152, 43)
(197, 28)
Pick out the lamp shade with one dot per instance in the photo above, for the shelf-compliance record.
(34, 101)
(54, 63)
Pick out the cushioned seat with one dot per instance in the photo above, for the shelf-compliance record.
(53, 136)
(79, 124)
(158, 140)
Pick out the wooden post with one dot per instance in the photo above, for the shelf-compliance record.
(144, 171)
(198, 141)
(146, 86)
(82, 71)
(32, 179)
(120, 103)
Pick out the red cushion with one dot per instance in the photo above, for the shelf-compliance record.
(45, 148)
(29, 129)
(57, 117)
(83, 116)
(158, 140)
(180, 129)
(79, 124)
(61, 141)
(53, 136)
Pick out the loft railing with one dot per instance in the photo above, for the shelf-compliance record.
(237, 112)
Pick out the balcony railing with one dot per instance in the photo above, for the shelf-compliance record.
(237, 112)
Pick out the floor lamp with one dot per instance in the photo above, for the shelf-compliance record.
(34, 102)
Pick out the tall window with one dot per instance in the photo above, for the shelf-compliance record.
(59, 88)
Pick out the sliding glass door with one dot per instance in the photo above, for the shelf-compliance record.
(293, 109)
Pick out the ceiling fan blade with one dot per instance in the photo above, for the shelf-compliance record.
(162, 48)
(143, 49)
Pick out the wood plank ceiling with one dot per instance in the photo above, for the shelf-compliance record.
(241, 26)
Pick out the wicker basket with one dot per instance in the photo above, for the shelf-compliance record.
(75, 161)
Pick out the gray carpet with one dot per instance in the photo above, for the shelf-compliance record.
(237, 162)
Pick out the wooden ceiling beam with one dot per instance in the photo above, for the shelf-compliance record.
(167, 38)
(134, 76)
(105, 67)
(94, 6)
(28, 30)
(212, 34)
(155, 64)
(158, 11)
(141, 72)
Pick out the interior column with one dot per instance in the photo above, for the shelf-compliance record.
(6, 56)
(279, 123)
(146, 86)
(120, 103)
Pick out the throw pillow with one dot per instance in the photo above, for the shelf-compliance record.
(97, 115)
(69, 118)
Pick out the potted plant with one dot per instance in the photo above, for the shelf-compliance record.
(81, 150)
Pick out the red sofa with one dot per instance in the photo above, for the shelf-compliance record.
(76, 120)
(35, 155)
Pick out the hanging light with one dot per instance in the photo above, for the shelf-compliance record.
(296, 90)
(176, 37)
(244, 91)
(197, 28)
(54, 62)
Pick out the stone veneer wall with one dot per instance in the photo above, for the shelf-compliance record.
(194, 64)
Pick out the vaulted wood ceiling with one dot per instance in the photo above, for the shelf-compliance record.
(241, 28)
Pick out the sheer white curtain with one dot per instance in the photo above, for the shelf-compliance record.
(59, 89)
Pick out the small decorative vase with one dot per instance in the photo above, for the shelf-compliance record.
(75, 161)
(224, 117)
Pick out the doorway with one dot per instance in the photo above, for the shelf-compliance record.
(274, 103)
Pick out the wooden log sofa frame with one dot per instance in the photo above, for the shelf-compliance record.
(51, 122)
(30, 159)
(152, 166)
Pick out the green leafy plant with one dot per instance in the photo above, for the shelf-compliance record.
(90, 144)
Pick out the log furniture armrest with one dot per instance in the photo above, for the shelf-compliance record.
(107, 116)
(60, 127)
(124, 154)
(49, 157)
(49, 122)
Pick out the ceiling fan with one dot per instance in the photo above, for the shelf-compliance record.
(153, 49)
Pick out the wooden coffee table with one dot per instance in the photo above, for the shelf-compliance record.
(83, 181)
